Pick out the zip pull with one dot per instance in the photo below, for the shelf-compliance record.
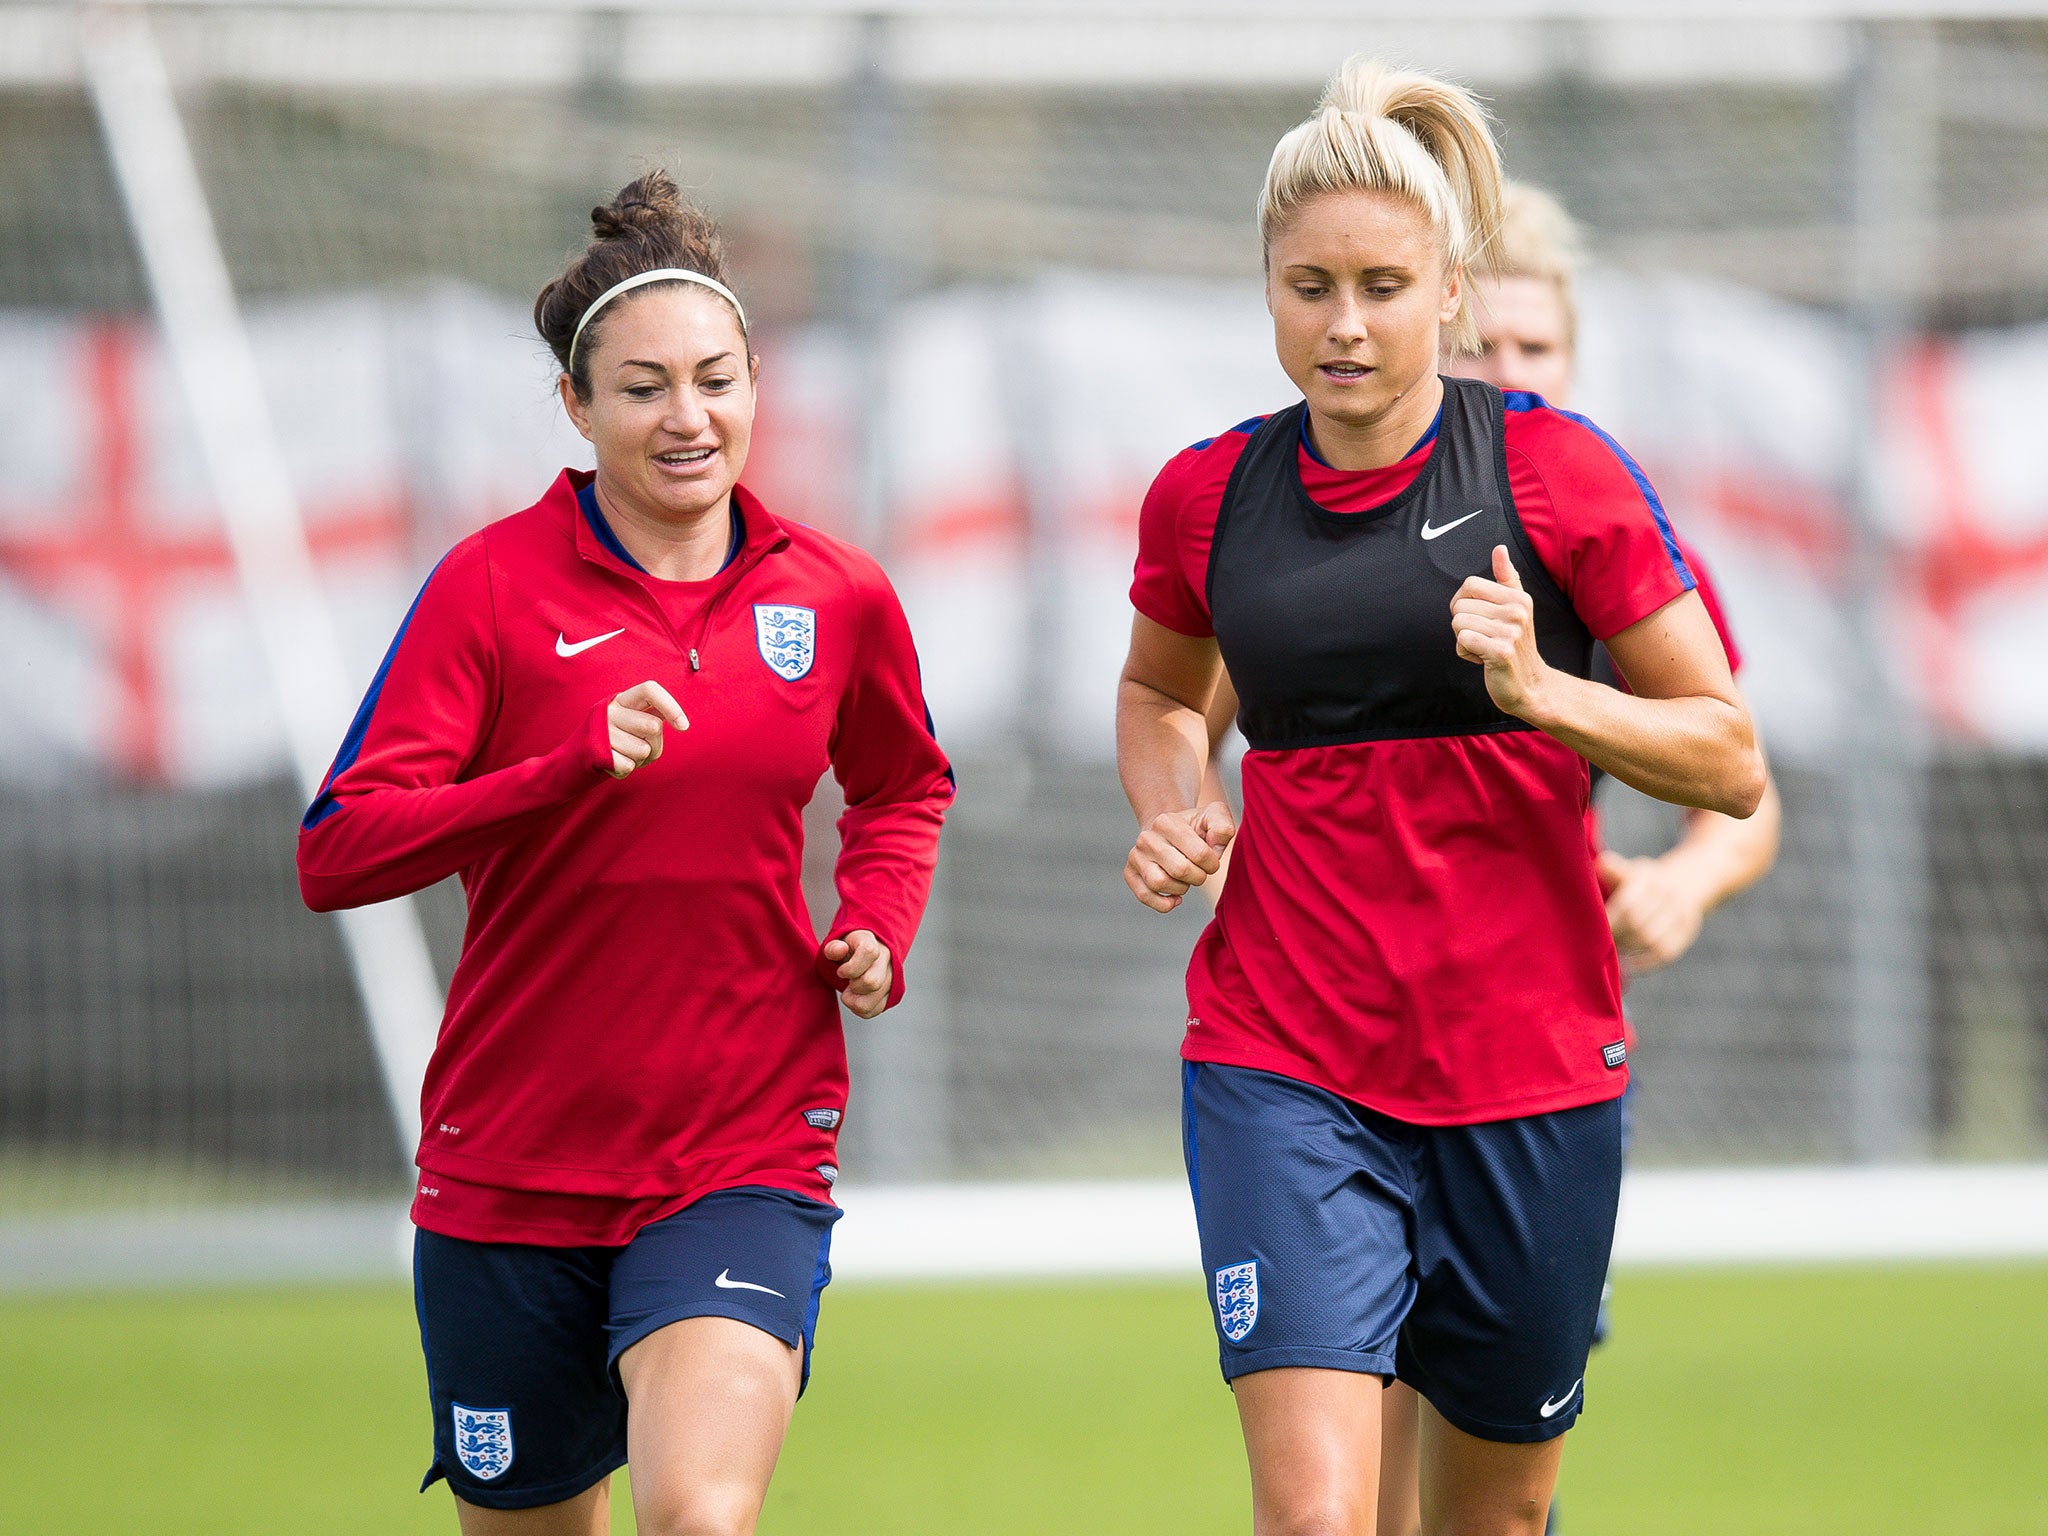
(695, 666)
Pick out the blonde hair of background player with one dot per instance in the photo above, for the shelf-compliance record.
(1528, 332)
(1528, 314)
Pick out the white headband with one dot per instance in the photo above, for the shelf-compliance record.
(658, 275)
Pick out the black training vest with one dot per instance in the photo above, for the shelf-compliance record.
(1336, 627)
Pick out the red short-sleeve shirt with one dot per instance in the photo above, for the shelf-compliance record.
(1415, 923)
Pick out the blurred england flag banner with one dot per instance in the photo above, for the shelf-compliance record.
(1000, 272)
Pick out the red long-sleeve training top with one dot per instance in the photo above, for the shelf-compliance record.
(641, 1014)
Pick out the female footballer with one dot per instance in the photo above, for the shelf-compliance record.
(1527, 315)
(1404, 1042)
(605, 713)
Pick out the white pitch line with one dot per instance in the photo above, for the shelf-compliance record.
(1668, 1217)
(1083, 1229)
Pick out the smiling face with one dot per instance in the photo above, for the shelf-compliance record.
(1525, 339)
(671, 408)
(1359, 291)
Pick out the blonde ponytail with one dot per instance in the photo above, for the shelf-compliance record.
(1380, 129)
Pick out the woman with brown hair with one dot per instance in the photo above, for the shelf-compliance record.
(606, 713)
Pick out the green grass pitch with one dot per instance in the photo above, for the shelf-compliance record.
(1871, 1401)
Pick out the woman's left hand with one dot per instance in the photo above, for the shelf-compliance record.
(1495, 622)
(1655, 914)
(865, 971)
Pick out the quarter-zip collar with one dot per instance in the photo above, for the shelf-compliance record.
(763, 532)
(762, 535)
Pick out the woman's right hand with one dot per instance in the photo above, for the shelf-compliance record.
(1179, 850)
(636, 718)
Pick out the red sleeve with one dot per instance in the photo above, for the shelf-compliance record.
(1175, 527)
(1712, 598)
(1593, 517)
(897, 785)
(395, 814)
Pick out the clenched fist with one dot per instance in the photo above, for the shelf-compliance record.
(1495, 622)
(1178, 851)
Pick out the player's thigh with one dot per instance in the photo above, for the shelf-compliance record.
(1475, 1487)
(714, 1314)
(709, 1400)
(1400, 1471)
(1312, 1437)
(588, 1514)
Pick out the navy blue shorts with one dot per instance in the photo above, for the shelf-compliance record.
(523, 1342)
(1605, 1324)
(1466, 1260)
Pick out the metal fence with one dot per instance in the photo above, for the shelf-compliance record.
(939, 216)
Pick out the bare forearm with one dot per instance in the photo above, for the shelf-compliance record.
(1719, 857)
(1162, 750)
(1697, 751)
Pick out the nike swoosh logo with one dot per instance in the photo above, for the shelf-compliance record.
(565, 649)
(1437, 533)
(725, 1282)
(1551, 1410)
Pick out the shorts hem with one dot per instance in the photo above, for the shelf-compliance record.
(523, 1498)
(737, 1311)
(1365, 1362)
(1503, 1434)
(429, 1217)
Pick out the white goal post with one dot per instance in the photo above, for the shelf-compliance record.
(216, 367)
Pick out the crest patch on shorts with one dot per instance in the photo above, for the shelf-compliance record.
(1237, 1299)
(1614, 1055)
(788, 638)
(822, 1119)
(483, 1441)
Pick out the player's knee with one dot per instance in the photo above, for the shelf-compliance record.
(1315, 1515)
(698, 1512)
(1525, 1518)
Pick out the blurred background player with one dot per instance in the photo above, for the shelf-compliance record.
(1528, 333)
(607, 713)
(1406, 1011)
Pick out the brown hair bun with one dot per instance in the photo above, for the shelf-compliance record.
(647, 226)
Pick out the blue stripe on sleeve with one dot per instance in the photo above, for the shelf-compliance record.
(324, 804)
(1248, 426)
(1524, 400)
(932, 731)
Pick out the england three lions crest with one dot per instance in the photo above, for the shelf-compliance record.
(483, 1441)
(1237, 1300)
(788, 638)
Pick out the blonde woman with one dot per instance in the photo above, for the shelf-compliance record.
(1527, 315)
(1404, 1045)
